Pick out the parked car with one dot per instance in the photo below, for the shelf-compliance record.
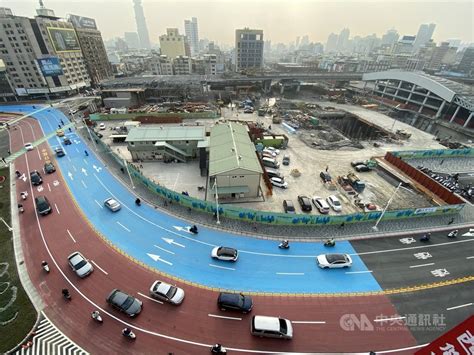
(42, 205)
(29, 147)
(334, 202)
(79, 264)
(321, 205)
(273, 173)
(67, 141)
(305, 203)
(225, 253)
(357, 162)
(49, 168)
(59, 152)
(234, 302)
(286, 160)
(266, 154)
(325, 176)
(60, 133)
(166, 292)
(35, 178)
(361, 168)
(98, 134)
(271, 153)
(288, 206)
(279, 182)
(273, 149)
(333, 261)
(112, 204)
(102, 126)
(125, 303)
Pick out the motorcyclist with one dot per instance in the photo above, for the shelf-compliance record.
(138, 202)
(285, 244)
(20, 208)
(86, 153)
(95, 314)
(330, 242)
(127, 332)
(216, 349)
(66, 293)
(194, 229)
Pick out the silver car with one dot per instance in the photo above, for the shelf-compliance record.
(225, 253)
(112, 204)
(333, 261)
(79, 264)
(166, 292)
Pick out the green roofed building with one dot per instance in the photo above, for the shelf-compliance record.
(148, 143)
(233, 163)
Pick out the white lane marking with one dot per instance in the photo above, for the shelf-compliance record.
(67, 156)
(57, 209)
(68, 232)
(223, 317)
(121, 225)
(77, 150)
(100, 205)
(105, 272)
(470, 257)
(460, 306)
(290, 273)
(168, 251)
(388, 319)
(39, 155)
(171, 241)
(49, 187)
(308, 322)
(148, 297)
(421, 265)
(157, 257)
(402, 349)
(85, 161)
(222, 267)
(74, 168)
(176, 181)
(84, 184)
(358, 272)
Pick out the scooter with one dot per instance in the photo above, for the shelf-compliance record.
(45, 266)
(426, 237)
(128, 334)
(21, 209)
(24, 195)
(66, 294)
(330, 243)
(453, 234)
(218, 349)
(96, 316)
(284, 245)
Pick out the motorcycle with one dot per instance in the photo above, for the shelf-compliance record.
(201, 188)
(193, 229)
(24, 195)
(284, 245)
(128, 333)
(218, 349)
(66, 294)
(96, 316)
(330, 243)
(21, 209)
(453, 234)
(426, 238)
(45, 266)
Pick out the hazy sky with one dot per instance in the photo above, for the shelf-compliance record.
(281, 20)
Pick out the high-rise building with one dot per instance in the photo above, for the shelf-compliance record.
(132, 40)
(192, 34)
(142, 28)
(173, 44)
(93, 49)
(248, 49)
(425, 32)
(343, 40)
(404, 45)
(467, 61)
(443, 54)
(331, 44)
(390, 37)
(6, 91)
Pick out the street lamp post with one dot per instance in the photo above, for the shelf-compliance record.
(5, 223)
(386, 206)
(217, 201)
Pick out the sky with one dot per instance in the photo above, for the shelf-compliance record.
(281, 20)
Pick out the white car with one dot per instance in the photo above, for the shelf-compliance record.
(276, 151)
(269, 152)
(279, 182)
(225, 253)
(321, 205)
(102, 126)
(29, 146)
(166, 292)
(112, 204)
(79, 264)
(334, 202)
(333, 261)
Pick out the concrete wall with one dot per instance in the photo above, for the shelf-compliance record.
(240, 177)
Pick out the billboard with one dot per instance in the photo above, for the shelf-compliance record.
(64, 39)
(82, 22)
(50, 66)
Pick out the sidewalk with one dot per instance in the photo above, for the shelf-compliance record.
(303, 233)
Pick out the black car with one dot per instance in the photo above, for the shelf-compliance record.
(67, 141)
(325, 176)
(59, 152)
(125, 303)
(305, 203)
(49, 168)
(234, 302)
(42, 205)
(362, 168)
(35, 178)
(288, 206)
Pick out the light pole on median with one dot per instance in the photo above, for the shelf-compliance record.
(375, 228)
(129, 175)
(5, 223)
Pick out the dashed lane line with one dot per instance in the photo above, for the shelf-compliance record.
(222, 267)
(223, 317)
(359, 272)
(460, 306)
(70, 235)
(121, 225)
(148, 297)
(57, 209)
(105, 272)
(291, 273)
(308, 322)
(388, 319)
(421, 265)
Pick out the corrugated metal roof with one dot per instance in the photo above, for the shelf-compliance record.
(231, 149)
(159, 133)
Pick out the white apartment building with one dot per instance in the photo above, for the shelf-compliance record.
(192, 35)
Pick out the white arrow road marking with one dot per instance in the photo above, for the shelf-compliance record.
(216, 316)
(55, 183)
(105, 272)
(388, 319)
(456, 307)
(308, 322)
(68, 232)
(358, 272)
(156, 246)
(121, 225)
(221, 267)
(157, 258)
(70, 175)
(421, 265)
(182, 229)
(97, 168)
(470, 233)
(470, 257)
(99, 204)
(84, 184)
(171, 241)
(290, 273)
(151, 299)
(40, 188)
(57, 209)
(84, 171)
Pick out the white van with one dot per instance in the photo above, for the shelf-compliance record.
(270, 162)
(271, 327)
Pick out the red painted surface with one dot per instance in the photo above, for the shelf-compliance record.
(191, 320)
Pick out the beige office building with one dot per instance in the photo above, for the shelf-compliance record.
(173, 44)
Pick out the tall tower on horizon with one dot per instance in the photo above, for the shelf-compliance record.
(192, 34)
(141, 24)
